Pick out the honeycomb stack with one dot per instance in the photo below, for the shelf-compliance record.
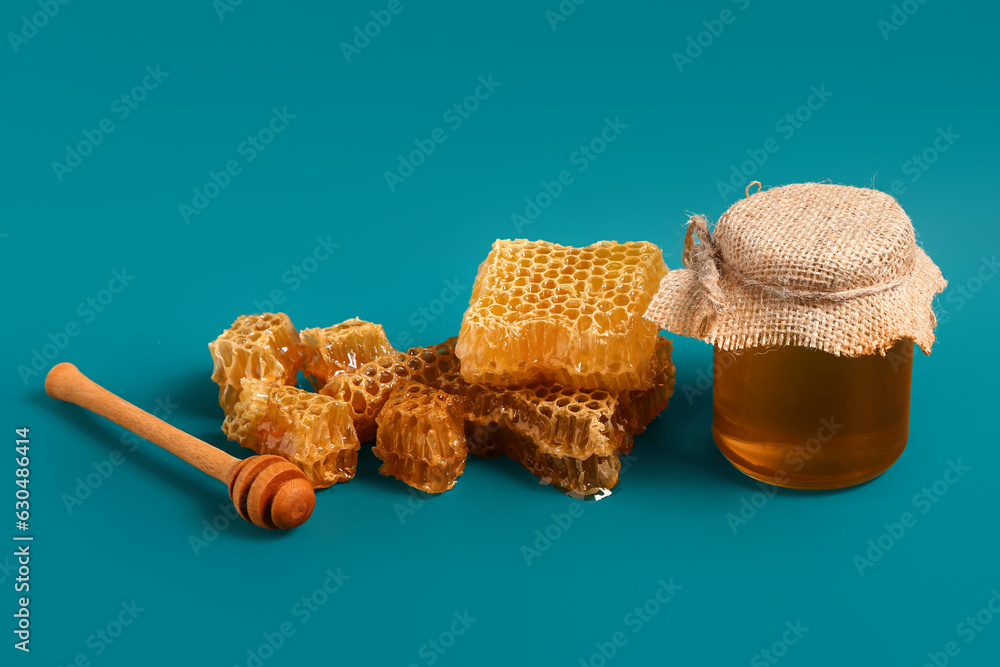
(558, 366)
(553, 367)
(256, 362)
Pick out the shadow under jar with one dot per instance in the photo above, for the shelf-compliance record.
(805, 419)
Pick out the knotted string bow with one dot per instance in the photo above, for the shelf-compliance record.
(702, 258)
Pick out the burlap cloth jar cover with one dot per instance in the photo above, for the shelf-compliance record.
(830, 267)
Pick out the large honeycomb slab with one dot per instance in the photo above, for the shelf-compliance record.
(421, 437)
(263, 347)
(342, 348)
(542, 312)
(367, 389)
(312, 431)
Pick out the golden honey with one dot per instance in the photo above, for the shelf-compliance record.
(805, 419)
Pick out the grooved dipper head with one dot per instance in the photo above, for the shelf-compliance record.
(271, 492)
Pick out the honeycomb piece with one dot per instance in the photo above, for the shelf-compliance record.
(263, 347)
(341, 348)
(588, 476)
(564, 421)
(571, 438)
(421, 437)
(314, 432)
(542, 312)
(367, 389)
(641, 407)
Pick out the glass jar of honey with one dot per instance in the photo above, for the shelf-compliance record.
(814, 297)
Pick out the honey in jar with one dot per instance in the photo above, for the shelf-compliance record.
(814, 296)
(806, 419)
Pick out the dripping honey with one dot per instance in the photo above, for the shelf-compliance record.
(805, 419)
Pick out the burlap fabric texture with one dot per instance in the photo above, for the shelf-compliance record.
(818, 265)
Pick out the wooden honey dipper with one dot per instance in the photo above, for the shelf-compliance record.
(267, 490)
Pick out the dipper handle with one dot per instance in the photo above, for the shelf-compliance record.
(267, 490)
(66, 383)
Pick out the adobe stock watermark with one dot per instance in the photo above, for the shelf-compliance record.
(795, 460)
(967, 630)
(786, 127)
(363, 35)
(303, 611)
(42, 358)
(545, 537)
(452, 292)
(295, 275)
(30, 25)
(121, 108)
(7, 569)
(898, 17)
(435, 647)
(212, 529)
(248, 149)
(695, 45)
(563, 11)
(704, 377)
(920, 163)
(960, 293)
(415, 501)
(634, 622)
(923, 501)
(454, 116)
(779, 648)
(223, 7)
(103, 638)
(105, 467)
(581, 159)
(481, 436)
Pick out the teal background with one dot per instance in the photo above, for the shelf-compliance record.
(400, 251)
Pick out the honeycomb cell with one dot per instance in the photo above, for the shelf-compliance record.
(342, 348)
(263, 347)
(421, 437)
(367, 389)
(528, 338)
(312, 431)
